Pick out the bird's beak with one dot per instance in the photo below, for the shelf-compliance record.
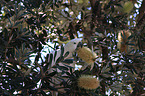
(80, 44)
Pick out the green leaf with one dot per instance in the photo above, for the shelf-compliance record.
(66, 54)
(52, 88)
(68, 66)
(117, 86)
(68, 61)
(17, 23)
(52, 74)
(62, 67)
(43, 93)
(55, 55)
(130, 37)
(59, 59)
(10, 22)
(50, 58)
(62, 50)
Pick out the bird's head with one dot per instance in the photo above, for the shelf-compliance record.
(73, 44)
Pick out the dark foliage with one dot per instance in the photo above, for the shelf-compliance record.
(26, 27)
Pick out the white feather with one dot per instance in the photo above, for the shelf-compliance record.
(69, 47)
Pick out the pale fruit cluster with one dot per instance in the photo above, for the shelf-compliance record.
(123, 39)
(86, 55)
(88, 82)
(127, 7)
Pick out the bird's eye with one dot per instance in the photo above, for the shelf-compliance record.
(74, 42)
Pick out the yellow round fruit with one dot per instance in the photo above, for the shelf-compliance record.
(88, 82)
(127, 7)
(86, 55)
(123, 39)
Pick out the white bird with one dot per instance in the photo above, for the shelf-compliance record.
(55, 56)
(70, 47)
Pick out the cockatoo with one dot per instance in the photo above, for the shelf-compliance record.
(70, 47)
